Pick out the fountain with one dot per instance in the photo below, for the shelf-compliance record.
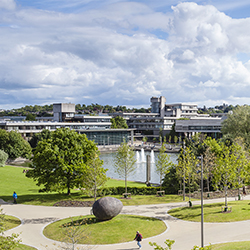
(137, 157)
(143, 158)
(152, 155)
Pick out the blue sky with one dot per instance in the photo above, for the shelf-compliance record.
(123, 52)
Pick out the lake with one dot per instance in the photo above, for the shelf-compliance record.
(140, 172)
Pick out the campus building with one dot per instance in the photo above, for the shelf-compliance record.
(163, 116)
(97, 128)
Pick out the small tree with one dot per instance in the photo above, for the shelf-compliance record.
(3, 158)
(162, 164)
(169, 244)
(118, 122)
(208, 165)
(225, 171)
(124, 161)
(95, 176)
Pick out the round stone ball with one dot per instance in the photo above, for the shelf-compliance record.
(107, 208)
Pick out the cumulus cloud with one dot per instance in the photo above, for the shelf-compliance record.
(116, 55)
(7, 4)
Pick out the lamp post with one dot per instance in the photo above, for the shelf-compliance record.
(202, 215)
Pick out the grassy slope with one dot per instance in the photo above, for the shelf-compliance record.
(13, 179)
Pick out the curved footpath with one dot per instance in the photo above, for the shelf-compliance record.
(186, 234)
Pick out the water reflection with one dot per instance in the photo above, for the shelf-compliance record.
(140, 172)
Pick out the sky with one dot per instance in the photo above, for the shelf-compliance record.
(124, 52)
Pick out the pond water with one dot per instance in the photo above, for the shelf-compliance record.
(140, 172)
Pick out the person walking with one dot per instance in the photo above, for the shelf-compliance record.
(138, 238)
(15, 197)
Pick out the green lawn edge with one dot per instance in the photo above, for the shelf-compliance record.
(214, 212)
(232, 246)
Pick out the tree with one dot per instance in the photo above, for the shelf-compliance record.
(14, 145)
(170, 181)
(237, 124)
(208, 165)
(3, 158)
(60, 161)
(168, 242)
(45, 134)
(124, 161)
(185, 169)
(95, 176)
(225, 172)
(163, 163)
(30, 117)
(118, 122)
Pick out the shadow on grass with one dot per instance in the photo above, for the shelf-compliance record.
(44, 198)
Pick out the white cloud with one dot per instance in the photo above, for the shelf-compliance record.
(7, 4)
(113, 55)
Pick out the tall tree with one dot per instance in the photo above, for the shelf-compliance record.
(224, 174)
(163, 163)
(208, 165)
(237, 124)
(124, 161)
(14, 144)
(60, 161)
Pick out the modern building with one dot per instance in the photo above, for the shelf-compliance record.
(211, 126)
(96, 128)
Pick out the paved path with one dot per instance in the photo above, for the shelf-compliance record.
(186, 234)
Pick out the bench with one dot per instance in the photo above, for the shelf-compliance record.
(160, 193)
(226, 209)
(126, 195)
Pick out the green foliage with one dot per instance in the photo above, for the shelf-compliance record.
(94, 177)
(133, 190)
(14, 145)
(60, 161)
(124, 161)
(118, 122)
(3, 158)
(45, 134)
(170, 182)
(237, 124)
(168, 242)
(30, 117)
(163, 163)
(202, 248)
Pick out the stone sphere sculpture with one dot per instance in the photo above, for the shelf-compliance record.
(107, 208)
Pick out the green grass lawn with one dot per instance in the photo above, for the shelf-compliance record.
(212, 212)
(121, 228)
(11, 222)
(232, 246)
(13, 179)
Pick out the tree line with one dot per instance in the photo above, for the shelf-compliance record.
(94, 108)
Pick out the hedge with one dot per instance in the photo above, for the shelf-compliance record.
(132, 190)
